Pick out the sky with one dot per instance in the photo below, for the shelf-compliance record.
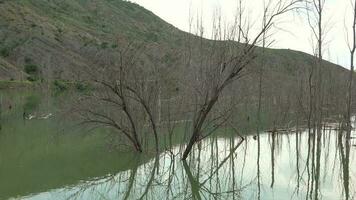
(292, 31)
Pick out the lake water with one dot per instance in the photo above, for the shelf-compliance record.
(45, 158)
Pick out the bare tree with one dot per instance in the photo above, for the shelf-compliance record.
(226, 66)
(315, 13)
(125, 98)
(352, 48)
(345, 142)
(315, 16)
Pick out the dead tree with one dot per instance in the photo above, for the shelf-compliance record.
(225, 66)
(125, 97)
(352, 48)
(344, 143)
(315, 14)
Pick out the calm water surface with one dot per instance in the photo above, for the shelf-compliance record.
(47, 159)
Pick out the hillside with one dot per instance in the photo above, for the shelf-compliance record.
(64, 37)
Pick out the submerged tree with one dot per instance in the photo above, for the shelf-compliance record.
(315, 13)
(125, 98)
(352, 48)
(226, 64)
(344, 140)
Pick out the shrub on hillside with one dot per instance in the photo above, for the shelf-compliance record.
(31, 69)
(60, 85)
(4, 52)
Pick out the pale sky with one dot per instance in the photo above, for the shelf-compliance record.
(337, 13)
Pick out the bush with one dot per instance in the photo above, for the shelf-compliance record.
(82, 87)
(28, 60)
(32, 78)
(31, 69)
(114, 46)
(4, 52)
(60, 85)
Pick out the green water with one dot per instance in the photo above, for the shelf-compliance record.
(54, 158)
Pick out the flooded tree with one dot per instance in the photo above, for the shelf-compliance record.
(226, 64)
(344, 139)
(125, 97)
(315, 14)
(352, 48)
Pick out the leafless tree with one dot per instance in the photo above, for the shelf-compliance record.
(345, 142)
(226, 64)
(352, 48)
(125, 97)
(315, 14)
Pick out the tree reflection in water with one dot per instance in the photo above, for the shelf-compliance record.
(301, 164)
